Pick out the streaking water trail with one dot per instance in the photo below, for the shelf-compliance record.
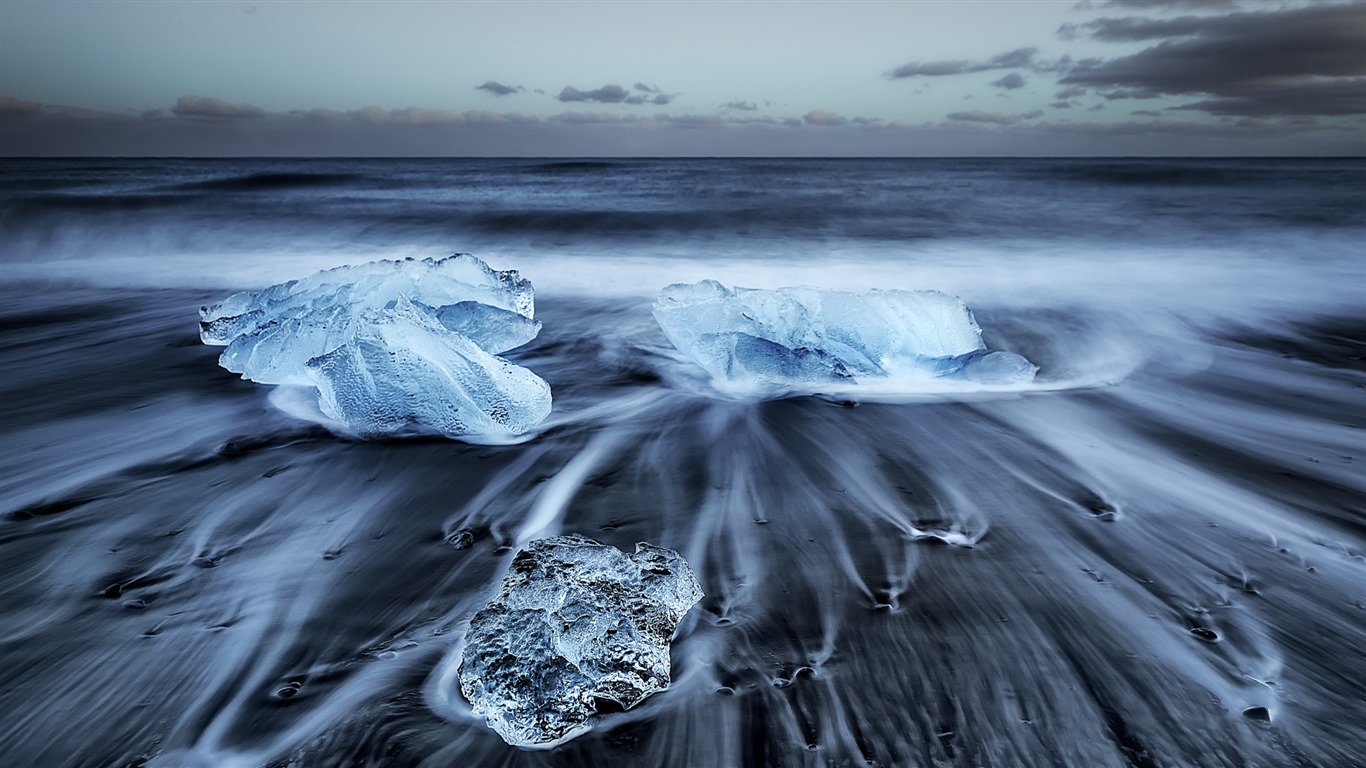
(1153, 556)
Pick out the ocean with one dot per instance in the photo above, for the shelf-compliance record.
(1154, 555)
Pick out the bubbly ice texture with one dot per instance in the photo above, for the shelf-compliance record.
(392, 345)
(799, 339)
(573, 622)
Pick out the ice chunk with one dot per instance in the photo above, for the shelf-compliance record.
(1000, 368)
(799, 338)
(272, 333)
(495, 330)
(392, 345)
(740, 356)
(575, 622)
(404, 369)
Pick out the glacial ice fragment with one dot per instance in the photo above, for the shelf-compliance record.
(574, 622)
(403, 368)
(798, 339)
(392, 345)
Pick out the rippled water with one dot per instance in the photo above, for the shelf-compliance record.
(1154, 557)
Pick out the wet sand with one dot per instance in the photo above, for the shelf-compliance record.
(1161, 566)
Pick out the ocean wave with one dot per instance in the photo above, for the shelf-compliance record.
(272, 180)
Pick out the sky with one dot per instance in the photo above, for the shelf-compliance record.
(966, 77)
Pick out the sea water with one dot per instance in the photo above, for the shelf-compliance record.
(1153, 554)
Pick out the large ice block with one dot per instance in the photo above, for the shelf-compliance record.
(574, 623)
(796, 339)
(392, 346)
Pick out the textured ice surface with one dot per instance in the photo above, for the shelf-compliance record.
(402, 367)
(392, 345)
(272, 333)
(575, 622)
(799, 338)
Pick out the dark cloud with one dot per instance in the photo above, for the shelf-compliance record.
(821, 117)
(743, 106)
(1010, 82)
(1129, 93)
(1070, 92)
(200, 106)
(1343, 96)
(995, 118)
(498, 89)
(608, 94)
(615, 94)
(1308, 60)
(659, 98)
(9, 105)
(1020, 57)
(1061, 105)
(1172, 5)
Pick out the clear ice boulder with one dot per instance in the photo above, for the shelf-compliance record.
(392, 347)
(804, 340)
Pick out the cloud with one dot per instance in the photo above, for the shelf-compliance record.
(498, 89)
(415, 116)
(420, 116)
(1173, 5)
(423, 116)
(693, 121)
(659, 98)
(995, 118)
(200, 106)
(615, 94)
(593, 117)
(743, 106)
(320, 114)
(1010, 82)
(10, 105)
(655, 95)
(1132, 93)
(1304, 60)
(418, 132)
(1020, 57)
(608, 94)
(821, 117)
(1343, 96)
